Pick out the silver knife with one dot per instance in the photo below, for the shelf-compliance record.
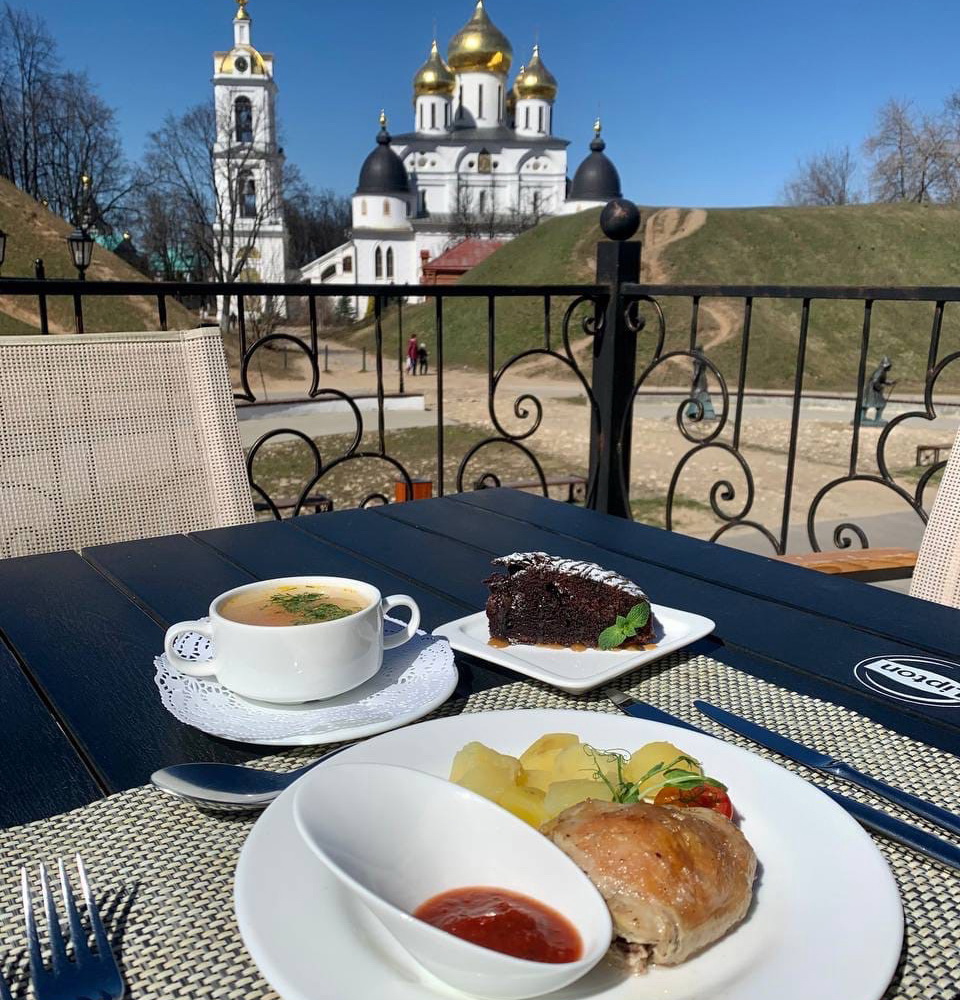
(873, 819)
(829, 765)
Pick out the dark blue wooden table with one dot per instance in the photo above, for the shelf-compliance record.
(81, 717)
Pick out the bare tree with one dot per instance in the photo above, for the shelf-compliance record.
(824, 179)
(205, 184)
(54, 128)
(317, 221)
(908, 151)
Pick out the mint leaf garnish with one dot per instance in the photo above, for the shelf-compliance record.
(625, 627)
(611, 637)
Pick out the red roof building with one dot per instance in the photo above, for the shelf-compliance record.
(450, 266)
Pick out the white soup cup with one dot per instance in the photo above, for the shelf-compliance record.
(292, 664)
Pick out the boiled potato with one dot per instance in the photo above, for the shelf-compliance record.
(477, 755)
(582, 761)
(488, 780)
(541, 753)
(525, 803)
(563, 794)
(537, 779)
(649, 756)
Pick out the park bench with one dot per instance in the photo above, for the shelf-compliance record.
(866, 565)
(929, 454)
(576, 485)
(319, 503)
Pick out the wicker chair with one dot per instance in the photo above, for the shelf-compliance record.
(935, 569)
(110, 437)
(937, 576)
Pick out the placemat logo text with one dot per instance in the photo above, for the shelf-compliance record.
(920, 679)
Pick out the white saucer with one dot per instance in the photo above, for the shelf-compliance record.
(415, 678)
(569, 670)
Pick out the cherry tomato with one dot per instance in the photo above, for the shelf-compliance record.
(704, 796)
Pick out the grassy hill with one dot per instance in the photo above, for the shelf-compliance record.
(33, 232)
(855, 245)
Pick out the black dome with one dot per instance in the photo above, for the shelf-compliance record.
(383, 171)
(596, 178)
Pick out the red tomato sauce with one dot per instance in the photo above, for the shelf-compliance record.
(504, 921)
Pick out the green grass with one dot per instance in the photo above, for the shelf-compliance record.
(855, 245)
(34, 232)
(285, 467)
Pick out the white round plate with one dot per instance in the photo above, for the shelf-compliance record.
(826, 921)
(415, 678)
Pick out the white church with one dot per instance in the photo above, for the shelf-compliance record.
(481, 148)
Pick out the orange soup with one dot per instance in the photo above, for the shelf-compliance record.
(301, 604)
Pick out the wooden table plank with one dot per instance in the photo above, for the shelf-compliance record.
(40, 771)
(796, 646)
(90, 650)
(921, 623)
(173, 578)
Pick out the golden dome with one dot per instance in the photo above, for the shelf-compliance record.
(480, 46)
(242, 14)
(536, 80)
(434, 76)
(227, 60)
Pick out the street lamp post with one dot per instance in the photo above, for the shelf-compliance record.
(80, 243)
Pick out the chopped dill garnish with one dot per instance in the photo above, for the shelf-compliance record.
(308, 608)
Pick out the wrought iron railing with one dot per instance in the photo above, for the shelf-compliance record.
(634, 333)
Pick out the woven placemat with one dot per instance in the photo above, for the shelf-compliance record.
(164, 871)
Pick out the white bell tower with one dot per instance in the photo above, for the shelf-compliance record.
(248, 164)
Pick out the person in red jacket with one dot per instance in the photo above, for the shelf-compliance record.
(412, 355)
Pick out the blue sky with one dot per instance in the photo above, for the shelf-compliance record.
(705, 102)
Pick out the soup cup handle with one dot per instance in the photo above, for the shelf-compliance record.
(193, 668)
(410, 629)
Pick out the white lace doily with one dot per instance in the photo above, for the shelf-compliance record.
(414, 679)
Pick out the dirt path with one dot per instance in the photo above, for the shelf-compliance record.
(719, 319)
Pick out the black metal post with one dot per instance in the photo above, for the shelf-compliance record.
(326, 358)
(614, 363)
(41, 275)
(400, 341)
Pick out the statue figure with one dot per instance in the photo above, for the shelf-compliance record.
(699, 393)
(876, 393)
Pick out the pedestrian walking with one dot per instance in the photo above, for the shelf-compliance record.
(422, 357)
(412, 355)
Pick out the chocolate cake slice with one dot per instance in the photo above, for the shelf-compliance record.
(548, 599)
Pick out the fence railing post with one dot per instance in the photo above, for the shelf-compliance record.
(614, 363)
(41, 275)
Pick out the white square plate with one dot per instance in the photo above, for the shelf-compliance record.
(569, 670)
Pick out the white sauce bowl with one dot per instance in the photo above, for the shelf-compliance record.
(397, 837)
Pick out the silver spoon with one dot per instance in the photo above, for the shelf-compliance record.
(229, 788)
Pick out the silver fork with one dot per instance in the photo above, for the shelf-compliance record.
(86, 975)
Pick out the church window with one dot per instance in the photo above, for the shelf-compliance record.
(363, 206)
(243, 114)
(446, 115)
(389, 262)
(329, 272)
(526, 118)
(378, 263)
(386, 207)
(460, 103)
(484, 162)
(499, 102)
(541, 120)
(479, 100)
(420, 116)
(483, 202)
(536, 202)
(433, 115)
(247, 195)
(348, 265)
(421, 202)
